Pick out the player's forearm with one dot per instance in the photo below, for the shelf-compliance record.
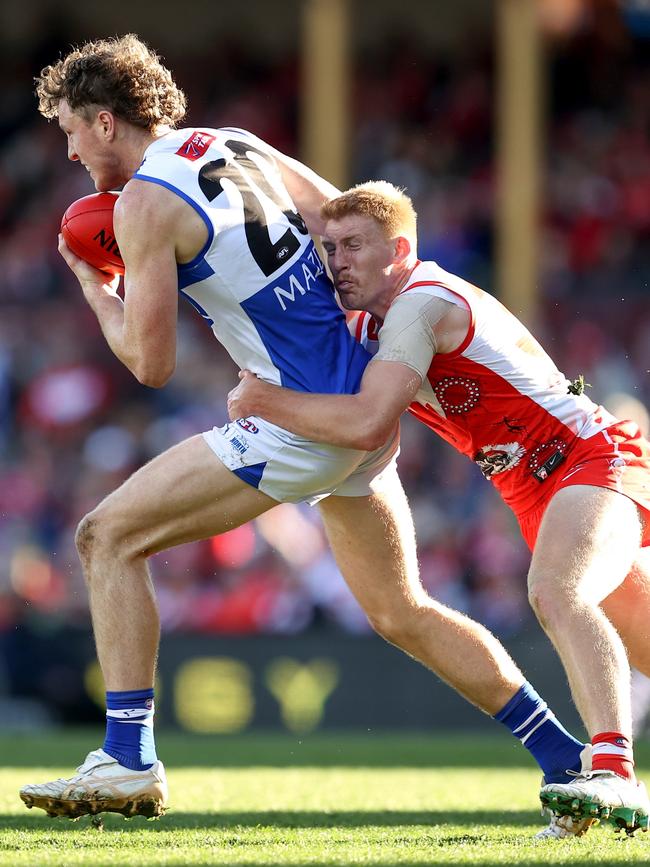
(108, 307)
(337, 419)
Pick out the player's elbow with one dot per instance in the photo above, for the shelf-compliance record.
(371, 443)
(372, 435)
(154, 376)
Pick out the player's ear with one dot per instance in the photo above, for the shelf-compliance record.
(402, 248)
(106, 120)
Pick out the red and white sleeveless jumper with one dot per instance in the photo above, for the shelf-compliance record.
(500, 400)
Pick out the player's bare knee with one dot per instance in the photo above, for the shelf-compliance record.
(85, 537)
(397, 627)
(97, 536)
(541, 601)
(550, 604)
(380, 623)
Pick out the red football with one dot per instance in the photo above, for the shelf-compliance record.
(87, 229)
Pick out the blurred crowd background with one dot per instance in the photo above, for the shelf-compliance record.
(74, 423)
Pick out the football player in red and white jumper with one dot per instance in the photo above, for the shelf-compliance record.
(577, 478)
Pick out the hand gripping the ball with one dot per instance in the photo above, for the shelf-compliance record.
(86, 273)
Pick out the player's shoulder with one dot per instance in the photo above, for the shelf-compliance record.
(423, 285)
(430, 280)
(146, 207)
(425, 277)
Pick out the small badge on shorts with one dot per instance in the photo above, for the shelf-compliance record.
(549, 466)
(247, 424)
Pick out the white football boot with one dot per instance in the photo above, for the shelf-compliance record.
(600, 795)
(561, 827)
(102, 785)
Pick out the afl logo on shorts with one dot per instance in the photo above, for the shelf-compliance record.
(248, 425)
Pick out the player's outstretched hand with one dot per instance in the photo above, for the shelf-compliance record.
(85, 273)
(245, 399)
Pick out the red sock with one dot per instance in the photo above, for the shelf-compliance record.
(612, 751)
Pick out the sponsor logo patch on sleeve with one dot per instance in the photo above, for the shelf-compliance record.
(195, 146)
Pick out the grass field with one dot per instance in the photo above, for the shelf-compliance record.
(322, 800)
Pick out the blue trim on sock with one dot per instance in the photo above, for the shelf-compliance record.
(550, 744)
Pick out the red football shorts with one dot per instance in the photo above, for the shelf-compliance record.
(617, 458)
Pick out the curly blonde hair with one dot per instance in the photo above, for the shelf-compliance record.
(121, 74)
(388, 205)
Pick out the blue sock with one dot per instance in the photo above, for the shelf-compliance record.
(129, 728)
(528, 717)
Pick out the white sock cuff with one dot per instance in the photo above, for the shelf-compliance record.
(131, 714)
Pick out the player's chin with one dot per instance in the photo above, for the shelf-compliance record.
(104, 182)
(347, 301)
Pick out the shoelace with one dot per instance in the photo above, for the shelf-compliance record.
(588, 775)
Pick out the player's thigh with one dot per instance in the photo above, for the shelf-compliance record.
(587, 542)
(182, 495)
(373, 541)
(628, 608)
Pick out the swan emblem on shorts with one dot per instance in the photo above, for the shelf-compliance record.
(495, 459)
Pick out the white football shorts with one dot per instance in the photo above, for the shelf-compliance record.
(292, 469)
